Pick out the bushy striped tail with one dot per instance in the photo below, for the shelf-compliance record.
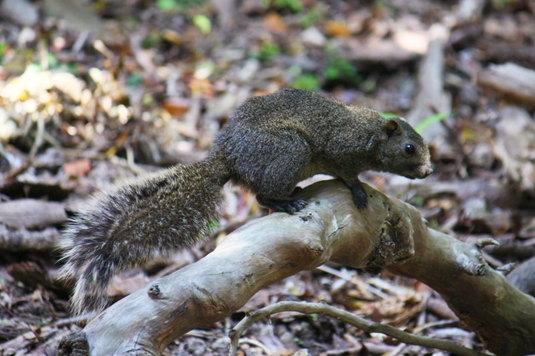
(152, 216)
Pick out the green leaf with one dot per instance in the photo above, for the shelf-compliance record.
(53, 62)
(292, 5)
(166, 5)
(387, 115)
(3, 50)
(33, 68)
(213, 224)
(151, 40)
(133, 80)
(342, 69)
(203, 23)
(69, 67)
(268, 50)
(307, 81)
(204, 69)
(309, 18)
(417, 200)
(430, 120)
(178, 5)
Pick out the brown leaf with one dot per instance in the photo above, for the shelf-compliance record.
(128, 285)
(77, 168)
(275, 23)
(203, 86)
(176, 106)
(337, 29)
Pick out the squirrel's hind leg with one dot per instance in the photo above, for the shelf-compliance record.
(275, 167)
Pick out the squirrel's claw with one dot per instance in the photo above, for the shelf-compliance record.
(359, 196)
(282, 205)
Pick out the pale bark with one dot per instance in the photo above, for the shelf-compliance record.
(432, 98)
(329, 229)
(510, 80)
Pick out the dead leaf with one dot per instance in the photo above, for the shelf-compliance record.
(337, 29)
(275, 23)
(77, 168)
(395, 310)
(176, 106)
(172, 36)
(69, 85)
(203, 86)
(127, 285)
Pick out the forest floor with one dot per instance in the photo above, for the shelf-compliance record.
(98, 92)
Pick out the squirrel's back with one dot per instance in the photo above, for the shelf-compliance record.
(311, 115)
(291, 106)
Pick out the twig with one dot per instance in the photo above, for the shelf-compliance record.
(359, 284)
(38, 138)
(363, 324)
(435, 324)
(15, 172)
(79, 319)
(255, 343)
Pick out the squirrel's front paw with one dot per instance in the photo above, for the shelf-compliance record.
(293, 206)
(282, 205)
(359, 196)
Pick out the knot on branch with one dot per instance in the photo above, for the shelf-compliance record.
(395, 241)
(470, 260)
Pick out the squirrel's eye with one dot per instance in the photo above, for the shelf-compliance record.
(409, 148)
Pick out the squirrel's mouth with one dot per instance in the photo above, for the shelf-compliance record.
(419, 172)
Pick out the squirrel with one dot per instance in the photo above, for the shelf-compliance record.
(270, 144)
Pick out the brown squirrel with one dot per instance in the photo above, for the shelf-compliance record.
(270, 144)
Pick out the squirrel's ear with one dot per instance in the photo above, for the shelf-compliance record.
(392, 128)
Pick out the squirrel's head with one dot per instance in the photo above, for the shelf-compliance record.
(404, 151)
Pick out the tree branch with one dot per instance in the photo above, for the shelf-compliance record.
(273, 247)
(350, 318)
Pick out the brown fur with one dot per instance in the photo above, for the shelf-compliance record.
(270, 144)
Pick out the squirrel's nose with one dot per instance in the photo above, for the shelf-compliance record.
(427, 171)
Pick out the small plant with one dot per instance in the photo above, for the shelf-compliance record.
(341, 69)
(166, 5)
(133, 80)
(291, 5)
(52, 61)
(431, 119)
(307, 81)
(151, 40)
(501, 4)
(310, 18)
(203, 23)
(268, 50)
(388, 115)
(3, 50)
(177, 5)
